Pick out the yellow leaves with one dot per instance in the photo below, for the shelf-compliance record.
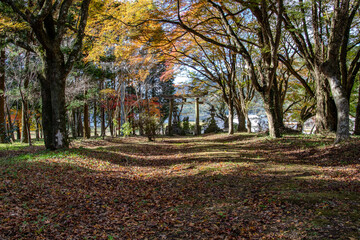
(120, 29)
(122, 25)
(108, 91)
(6, 25)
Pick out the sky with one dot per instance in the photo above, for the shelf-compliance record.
(180, 79)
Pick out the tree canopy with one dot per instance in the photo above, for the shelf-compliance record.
(299, 60)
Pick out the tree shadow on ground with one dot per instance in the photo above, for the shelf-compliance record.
(59, 201)
(208, 138)
(286, 151)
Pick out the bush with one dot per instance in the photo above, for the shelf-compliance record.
(126, 129)
(150, 125)
(186, 125)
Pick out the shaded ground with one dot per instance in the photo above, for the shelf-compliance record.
(217, 187)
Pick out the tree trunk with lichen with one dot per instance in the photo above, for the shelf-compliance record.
(53, 101)
(342, 104)
(330, 68)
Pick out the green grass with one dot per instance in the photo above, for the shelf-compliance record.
(61, 158)
(29, 157)
(18, 145)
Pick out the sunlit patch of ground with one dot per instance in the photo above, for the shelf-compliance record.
(213, 187)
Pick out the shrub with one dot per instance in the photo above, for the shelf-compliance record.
(126, 129)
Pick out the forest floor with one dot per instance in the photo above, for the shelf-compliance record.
(212, 187)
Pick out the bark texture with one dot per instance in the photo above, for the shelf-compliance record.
(3, 134)
(331, 69)
(95, 118)
(53, 100)
(357, 117)
(241, 117)
(273, 121)
(86, 121)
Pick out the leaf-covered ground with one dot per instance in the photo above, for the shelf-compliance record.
(213, 187)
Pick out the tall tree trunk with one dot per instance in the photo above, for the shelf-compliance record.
(279, 110)
(119, 123)
(342, 107)
(133, 125)
(46, 113)
(329, 69)
(10, 123)
(53, 100)
(326, 118)
(273, 130)
(103, 134)
(24, 122)
(73, 123)
(110, 122)
(357, 117)
(80, 127)
(95, 118)
(270, 109)
(37, 130)
(58, 109)
(231, 118)
(117, 115)
(102, 114)
(141, 123)
(122, 105)
(18, 132)
(248, 123)
(25, 134)
(171, 106)
(3, 134)
(86, 121)
(41, 130)
(241, 117)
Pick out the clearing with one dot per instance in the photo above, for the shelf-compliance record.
(212, 187)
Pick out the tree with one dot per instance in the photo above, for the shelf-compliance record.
(327, 56)
(3, 134)
(235, 20)
(210, 64)
(50, 21)
(22, 88)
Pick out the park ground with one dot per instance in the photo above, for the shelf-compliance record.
(213, 187)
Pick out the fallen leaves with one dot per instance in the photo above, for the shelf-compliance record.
(237, 188)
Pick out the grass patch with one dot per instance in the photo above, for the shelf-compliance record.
(33, 157)
(18, 145)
